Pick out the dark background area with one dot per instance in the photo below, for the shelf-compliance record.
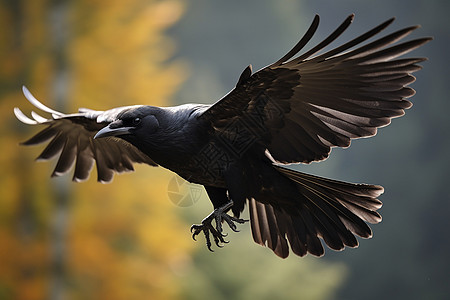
(408, 257)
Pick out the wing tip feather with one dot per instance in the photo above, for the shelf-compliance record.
(23, 118)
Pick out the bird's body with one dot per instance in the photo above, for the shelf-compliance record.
(292, 111)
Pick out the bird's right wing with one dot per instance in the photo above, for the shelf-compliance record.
(306, 103)
(71, 136)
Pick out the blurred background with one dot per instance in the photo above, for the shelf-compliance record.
(127, 239)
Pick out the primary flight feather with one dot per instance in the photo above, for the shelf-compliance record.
(292, 111)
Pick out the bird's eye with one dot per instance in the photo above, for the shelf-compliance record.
(136, 121)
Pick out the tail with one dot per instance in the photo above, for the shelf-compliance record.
(323, 208)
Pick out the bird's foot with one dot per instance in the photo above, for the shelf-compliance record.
(218, 215)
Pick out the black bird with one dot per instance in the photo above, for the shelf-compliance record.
(292, 111)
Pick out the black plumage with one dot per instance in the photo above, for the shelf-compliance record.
(292, 111)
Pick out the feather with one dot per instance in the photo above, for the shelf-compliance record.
(38, 104)
(342, 94)
(71, 137)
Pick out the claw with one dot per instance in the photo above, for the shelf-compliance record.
(230, 220)
(197, 229)
(218, 215)
(208, 241)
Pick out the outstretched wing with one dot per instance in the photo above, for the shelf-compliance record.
(300, 107)
(71, 136)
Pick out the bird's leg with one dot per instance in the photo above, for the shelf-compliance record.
(218, 215)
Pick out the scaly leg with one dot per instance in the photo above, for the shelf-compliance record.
(219, 215)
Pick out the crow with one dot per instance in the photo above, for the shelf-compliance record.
(292, 111)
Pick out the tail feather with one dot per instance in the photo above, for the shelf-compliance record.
(326, 209)
(328, 217)
(329, 205)
(267, 227)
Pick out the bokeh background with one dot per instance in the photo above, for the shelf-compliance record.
(127, 239)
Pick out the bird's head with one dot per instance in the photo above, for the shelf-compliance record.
(131, 123)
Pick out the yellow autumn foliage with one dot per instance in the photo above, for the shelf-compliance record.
(87, 240)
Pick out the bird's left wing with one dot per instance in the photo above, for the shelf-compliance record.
(71, 136)
(302, 105)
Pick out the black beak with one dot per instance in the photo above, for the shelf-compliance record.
(113, 129)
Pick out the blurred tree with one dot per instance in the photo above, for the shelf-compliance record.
(119, 241)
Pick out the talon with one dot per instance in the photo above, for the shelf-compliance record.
(218, 215)
(240, 221)
(197, 229)
(230, 220)
(232, 226)
(208, 241)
